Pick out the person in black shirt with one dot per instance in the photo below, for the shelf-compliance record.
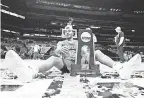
(119, 40)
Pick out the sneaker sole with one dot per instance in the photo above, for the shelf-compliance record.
(18, 66)
(130, 66)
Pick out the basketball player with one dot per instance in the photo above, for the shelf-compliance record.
(119, 40)
(65, 54)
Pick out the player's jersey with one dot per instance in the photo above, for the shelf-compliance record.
(72, 46)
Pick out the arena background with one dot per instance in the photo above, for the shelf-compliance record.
(26, 21)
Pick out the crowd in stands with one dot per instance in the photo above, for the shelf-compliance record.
(25, 48)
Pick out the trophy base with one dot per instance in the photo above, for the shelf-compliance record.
(76, 70)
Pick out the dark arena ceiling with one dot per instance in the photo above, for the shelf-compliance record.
(49, 16)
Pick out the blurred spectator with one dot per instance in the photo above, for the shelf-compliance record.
(25, 48)
(36, 49)
(17, 49)
(142, 55)
(3, 51)
(126, 57)
(119, 41)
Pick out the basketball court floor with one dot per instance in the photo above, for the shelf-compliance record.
(70, 88)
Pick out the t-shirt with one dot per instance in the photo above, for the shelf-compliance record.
(36, 48)
(72, 46)
(118, 36)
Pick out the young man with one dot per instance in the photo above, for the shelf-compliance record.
(65, 55)
(119, 40)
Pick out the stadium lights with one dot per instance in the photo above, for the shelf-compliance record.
(53, 23)
(13, 32)
(63, 4)
(59, 36)
(42, 35)
(94, 27)
(26, 34)
(100, 8)
(6, 30)
(9, 31)
(4, 5)
(133, 30)
(11, 13)
(115, 10)
(139, 12)
(34, 34)
(74, 6)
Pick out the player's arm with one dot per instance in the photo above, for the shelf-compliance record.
(61, 49)
(58, 49)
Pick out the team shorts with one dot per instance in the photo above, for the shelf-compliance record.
(67, 65)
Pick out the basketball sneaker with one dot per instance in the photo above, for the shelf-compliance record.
(126, 69)
(18, 66)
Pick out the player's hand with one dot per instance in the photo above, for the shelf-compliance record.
(64, 50)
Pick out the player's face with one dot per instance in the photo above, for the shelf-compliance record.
(69, 33)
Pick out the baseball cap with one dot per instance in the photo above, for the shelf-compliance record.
(118, 28)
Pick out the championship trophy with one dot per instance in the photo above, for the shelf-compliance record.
(89, 68)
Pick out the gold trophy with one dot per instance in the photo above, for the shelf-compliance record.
(89, 68)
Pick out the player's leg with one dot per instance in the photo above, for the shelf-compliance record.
(104, 59)
(17, 65)
(129, 67)
(63, 65)
(25, 71)
(125, 69)
(49, 63)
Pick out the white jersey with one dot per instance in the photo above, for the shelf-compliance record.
(72, 46)
(36, 48)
